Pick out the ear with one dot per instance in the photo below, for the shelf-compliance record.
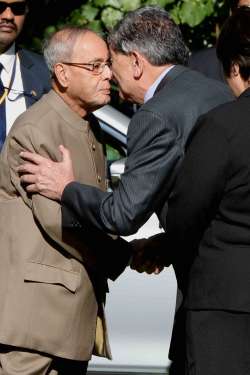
(137, 64)
(61, 74)
(235, 70)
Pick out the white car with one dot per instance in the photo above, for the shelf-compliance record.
(139, 307)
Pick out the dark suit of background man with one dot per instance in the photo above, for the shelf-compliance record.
(205, 60)
(148, 62)
(23, 74)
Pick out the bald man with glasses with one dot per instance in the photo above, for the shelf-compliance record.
(53, 277)
(24, 77)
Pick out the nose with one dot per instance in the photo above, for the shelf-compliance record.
(107, 72)
(7, 14)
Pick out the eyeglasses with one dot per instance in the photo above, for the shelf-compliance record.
(96, 68)
(18, 8)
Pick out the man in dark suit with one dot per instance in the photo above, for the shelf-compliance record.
(206, 62)
(208, 231)
(24, 76)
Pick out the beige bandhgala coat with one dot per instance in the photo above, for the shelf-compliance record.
(50, 295)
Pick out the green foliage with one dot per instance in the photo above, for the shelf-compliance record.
(192, 15)
(198, 19)
(128, 5)
(193, 12)
(110, 16)
(161, 3)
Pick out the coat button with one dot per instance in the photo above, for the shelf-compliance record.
(93, 146)
(99, 179)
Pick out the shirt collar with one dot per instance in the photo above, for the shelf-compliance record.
(150, 92)
(7, 58)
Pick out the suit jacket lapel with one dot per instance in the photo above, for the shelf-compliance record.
(33, 90)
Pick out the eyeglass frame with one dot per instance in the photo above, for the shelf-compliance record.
(101, 65)
(12, 7)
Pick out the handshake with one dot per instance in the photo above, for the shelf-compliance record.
(149, 254)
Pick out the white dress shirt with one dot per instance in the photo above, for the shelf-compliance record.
(15, 100)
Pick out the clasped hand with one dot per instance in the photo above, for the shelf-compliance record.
(147, 257)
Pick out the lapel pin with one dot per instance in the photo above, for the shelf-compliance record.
(33, 93)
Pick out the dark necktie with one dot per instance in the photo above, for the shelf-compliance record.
(2, 112)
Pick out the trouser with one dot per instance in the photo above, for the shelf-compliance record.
(217, 343)
(16, 361)
(177, 351)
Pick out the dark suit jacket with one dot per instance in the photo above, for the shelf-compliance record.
(206, 61)
(35, 76)
(156, 140)
(209, 212)
(208, 221)
(207, 235)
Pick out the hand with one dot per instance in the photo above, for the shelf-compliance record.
(42, 175)
(145, 257)
(140, 264)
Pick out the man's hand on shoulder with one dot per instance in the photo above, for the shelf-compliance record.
(44, 176)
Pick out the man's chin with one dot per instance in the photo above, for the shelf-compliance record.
(106, 100)
(6, 39)
(101, 104)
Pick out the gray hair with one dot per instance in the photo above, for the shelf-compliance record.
(59, 46)
(150, 31)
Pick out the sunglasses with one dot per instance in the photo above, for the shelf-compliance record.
(18, 8)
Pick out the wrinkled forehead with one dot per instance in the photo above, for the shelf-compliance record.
(91, 47)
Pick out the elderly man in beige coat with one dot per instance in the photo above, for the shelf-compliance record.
(53, 279)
